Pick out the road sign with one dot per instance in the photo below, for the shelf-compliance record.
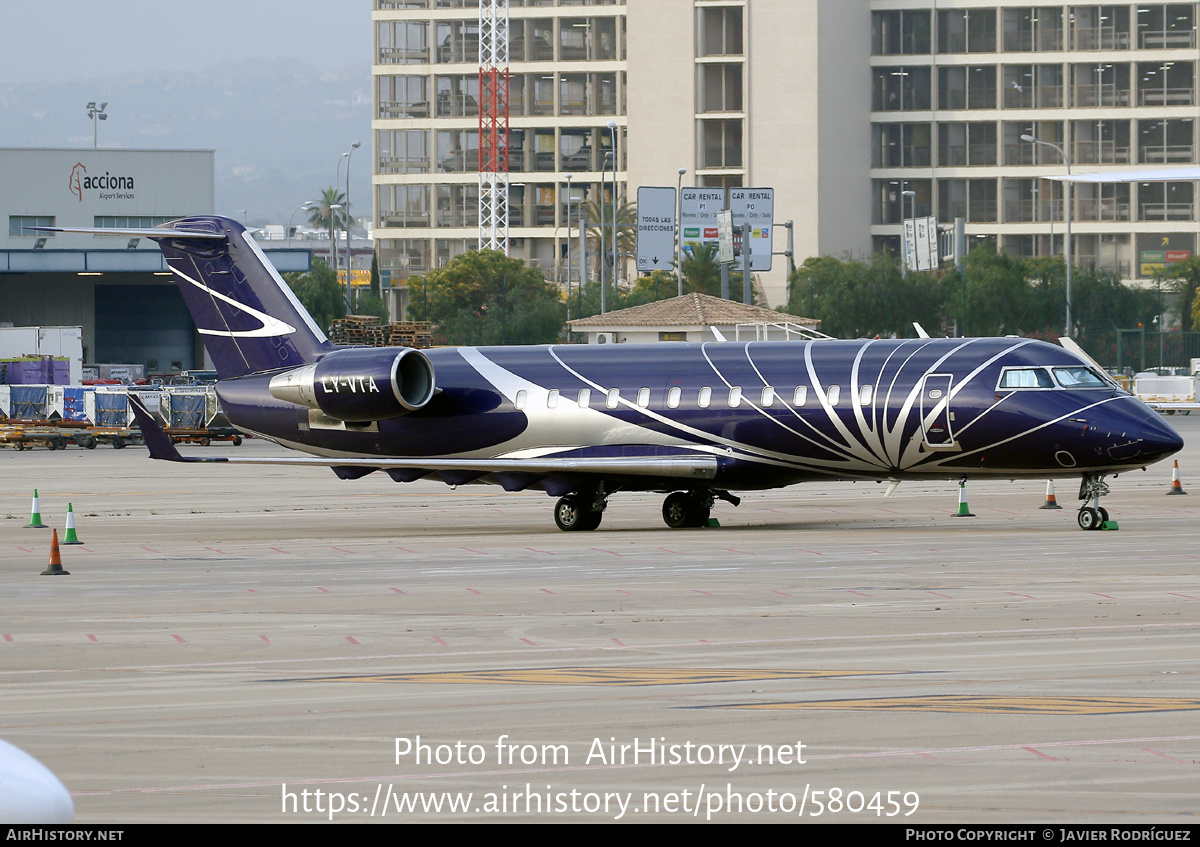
(756, 207)
(699, 215)
(655, 228)
(725, 252)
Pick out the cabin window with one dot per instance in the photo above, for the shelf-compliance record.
(801, 395)
(522, 398)
(552, 399)
(673, 397)
(834, 394)
(643, 397)
(704, 398)
(1078, 378)
(865, 393)
(585, 397)
(768, 396)
(735, 397)
(614, 395)
(1026, 378)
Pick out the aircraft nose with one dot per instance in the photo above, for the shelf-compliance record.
(1159, 438)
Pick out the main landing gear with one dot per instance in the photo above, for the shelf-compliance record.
(1091, 488)
(684, 509)
(582, 511)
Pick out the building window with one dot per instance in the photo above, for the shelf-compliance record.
(899, 145)
(17, 224)
(1033, 28)
(720, 31)
(967, 87)
(402, 151)
(721, 143)
(961, 144)
(900, 89)
(900, 33)
(403, 42)
(128, 221)
(967, 31)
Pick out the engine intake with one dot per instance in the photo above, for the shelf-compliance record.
(360, 383)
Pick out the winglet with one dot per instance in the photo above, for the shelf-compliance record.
(921, 333)
(720, 336)
(157, 441)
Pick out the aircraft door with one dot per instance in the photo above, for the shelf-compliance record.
(936, 416)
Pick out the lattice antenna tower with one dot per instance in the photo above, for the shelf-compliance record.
(493, 125)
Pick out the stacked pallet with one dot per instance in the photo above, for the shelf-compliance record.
(369, 330)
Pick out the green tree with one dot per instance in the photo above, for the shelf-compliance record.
(319, 292)
(370, 303)
(485, 297)
(1184, 279)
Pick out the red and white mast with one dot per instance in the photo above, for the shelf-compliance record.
(493, 125)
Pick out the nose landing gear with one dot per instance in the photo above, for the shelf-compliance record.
(1091, 514)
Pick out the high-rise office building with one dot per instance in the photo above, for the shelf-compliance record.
(858, 112)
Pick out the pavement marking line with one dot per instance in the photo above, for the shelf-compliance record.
(967, 704)
(593, 676)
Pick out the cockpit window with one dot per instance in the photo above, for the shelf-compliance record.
(1027, 378)
(1078, 378)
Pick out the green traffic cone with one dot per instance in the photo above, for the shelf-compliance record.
(35, 517)
(71, 537)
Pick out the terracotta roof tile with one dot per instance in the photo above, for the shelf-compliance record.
(691, 310)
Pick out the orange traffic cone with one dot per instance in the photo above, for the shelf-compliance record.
(56, 568)
(1051, 503)
(1176, 488)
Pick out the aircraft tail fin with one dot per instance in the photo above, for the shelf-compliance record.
(248, 317)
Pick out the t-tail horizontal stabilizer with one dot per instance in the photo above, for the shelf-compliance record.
(157, 441)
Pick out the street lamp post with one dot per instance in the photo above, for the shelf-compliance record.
(96, 113)
(679, 231)
(612, 130)
(1067, 202)
(568, 246)
(604, 247)
(349, 220)
(307, 204)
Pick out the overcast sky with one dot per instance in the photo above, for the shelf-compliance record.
(85, 39)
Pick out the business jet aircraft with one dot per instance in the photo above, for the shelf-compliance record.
(693, 421)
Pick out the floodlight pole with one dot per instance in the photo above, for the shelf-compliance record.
(1067, 202)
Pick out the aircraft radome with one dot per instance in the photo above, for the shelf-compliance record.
(694, 421)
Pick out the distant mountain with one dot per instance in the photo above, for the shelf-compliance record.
(277, 127)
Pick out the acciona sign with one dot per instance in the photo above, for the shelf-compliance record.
(109, 187)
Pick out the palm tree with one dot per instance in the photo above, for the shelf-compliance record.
(324, 216)
(626, 227)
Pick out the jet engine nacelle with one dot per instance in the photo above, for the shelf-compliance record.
(360, 384)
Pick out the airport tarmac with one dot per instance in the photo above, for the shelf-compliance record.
(230, 638)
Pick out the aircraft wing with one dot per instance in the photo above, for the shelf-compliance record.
(687, 466)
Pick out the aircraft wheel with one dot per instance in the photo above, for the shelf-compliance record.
(681, 510)
(1089, 518)
(570, 516)
(1103, 514)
